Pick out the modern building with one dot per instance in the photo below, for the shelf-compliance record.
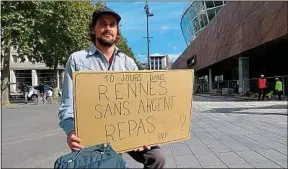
(31, 73)
(196, 16)
(243, 40)
(159, 62)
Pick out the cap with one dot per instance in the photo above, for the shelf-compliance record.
(104, 10)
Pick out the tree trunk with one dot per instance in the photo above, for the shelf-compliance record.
(5, 77)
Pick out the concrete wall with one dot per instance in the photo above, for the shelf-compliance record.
(238, 27)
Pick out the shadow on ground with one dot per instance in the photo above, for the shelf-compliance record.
(238, 110)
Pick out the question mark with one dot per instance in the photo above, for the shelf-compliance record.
(182, 118)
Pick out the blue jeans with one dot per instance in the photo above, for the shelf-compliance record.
(25, 97)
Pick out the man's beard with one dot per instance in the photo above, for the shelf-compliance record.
(105, 42)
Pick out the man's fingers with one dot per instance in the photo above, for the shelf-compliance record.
(75, 149)
(141, 149)
(74, 142)
(76, 145)
(147, 147)
(75, 139)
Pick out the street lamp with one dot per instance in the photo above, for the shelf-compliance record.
(148, 14)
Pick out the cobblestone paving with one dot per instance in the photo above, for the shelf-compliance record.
(225, 133)
(231, 134)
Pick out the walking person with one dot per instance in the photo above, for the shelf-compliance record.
(102, 55)
(278, 88)
(42, 91)
(25, 90)
(262, 85)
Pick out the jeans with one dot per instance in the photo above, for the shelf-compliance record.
(263, 92)
(152, 158)
(25, 97)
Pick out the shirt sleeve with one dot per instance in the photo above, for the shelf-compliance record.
(66, 111)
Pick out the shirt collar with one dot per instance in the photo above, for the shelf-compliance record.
(93, 49)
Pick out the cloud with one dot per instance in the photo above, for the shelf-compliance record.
(174, 48)
(164, 28)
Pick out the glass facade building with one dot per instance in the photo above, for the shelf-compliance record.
(196, 16)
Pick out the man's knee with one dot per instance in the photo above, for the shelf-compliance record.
(158, 158)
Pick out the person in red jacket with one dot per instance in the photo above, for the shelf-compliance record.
(262, 85)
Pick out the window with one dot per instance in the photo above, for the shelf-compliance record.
(48, 77)
(211, 14)
(203, 20)
(218, 3)
(191, 61)
(192, 10)
(196, 24)
(218, 9)
(23, 76)
(14, 59)
(209, 4)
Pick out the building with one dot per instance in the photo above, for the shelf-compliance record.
(31, 73)
(196, 16)
(143, 66)
(243, 40)
(159, 62)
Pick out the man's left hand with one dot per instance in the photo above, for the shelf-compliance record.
(145, 147)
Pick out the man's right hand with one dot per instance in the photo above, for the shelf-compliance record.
(74, 142)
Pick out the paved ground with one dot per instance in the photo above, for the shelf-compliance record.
(225, 133)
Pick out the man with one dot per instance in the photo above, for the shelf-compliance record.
(24, 89)
(278, 88)
(41, 89)
(102, 55)
(262, 85)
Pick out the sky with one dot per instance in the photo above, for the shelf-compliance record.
(164, 27)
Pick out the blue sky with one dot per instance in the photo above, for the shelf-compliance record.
(164, 27)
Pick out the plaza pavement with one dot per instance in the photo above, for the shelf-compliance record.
(225, 133)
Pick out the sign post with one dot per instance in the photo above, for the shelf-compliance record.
(132, 109)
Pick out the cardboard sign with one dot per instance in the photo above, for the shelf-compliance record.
(132, 109)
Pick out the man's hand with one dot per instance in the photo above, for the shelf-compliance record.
(74, 142)
(145, 147)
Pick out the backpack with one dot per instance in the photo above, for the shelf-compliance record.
(98, 156)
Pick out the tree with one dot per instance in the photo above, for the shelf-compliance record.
(13, 23)
(46, 32)
(122, 44)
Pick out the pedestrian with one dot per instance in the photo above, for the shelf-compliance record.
(25, 90)
(41, 88)
(278, 88)
(102, 55)
(262, 85)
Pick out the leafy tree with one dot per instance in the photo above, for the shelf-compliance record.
(122, 44)
(14, 22)
(45, 32)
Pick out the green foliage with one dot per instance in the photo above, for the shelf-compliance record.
(49, 31)
(122, 44)
(45, 32)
